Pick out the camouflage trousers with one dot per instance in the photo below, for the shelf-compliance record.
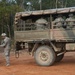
(7, 55)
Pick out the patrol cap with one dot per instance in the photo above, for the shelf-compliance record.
(3, 34)
(70, 14)
(59, 15)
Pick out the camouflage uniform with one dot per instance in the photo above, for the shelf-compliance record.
(6, 46)
(70, 22)
(41, 24)
(58, 22)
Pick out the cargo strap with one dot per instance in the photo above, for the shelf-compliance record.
(17, 54)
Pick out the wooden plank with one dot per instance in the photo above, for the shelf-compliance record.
(26, 13)
(48, 11)
(31, 35)
(38, 12)
(61, 34)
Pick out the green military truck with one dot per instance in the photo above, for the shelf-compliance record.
(36, 32)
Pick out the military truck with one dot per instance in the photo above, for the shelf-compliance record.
(36, 32)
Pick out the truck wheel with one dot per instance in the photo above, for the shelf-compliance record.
(44, 56)
(59, 58)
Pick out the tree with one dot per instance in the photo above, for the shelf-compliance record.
(7, 13)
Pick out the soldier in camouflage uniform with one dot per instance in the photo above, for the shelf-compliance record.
(58, 22)
(70, 22)
(6, 46)
(41, 24)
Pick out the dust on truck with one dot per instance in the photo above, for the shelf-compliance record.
(47, 42)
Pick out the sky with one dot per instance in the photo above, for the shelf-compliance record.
(10, 1)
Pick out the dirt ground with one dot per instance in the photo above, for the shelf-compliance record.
(25, 65)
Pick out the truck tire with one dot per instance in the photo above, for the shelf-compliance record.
(44, 56)
(59, 58)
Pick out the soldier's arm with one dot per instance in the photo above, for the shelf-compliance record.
(70, 20)
(3, 44)
(55, 21)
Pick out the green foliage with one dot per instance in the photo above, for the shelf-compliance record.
(47, 4)
(7, 13)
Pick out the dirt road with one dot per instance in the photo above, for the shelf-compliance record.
(25, 65)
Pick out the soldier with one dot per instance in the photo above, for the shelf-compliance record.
(41, 24)
(59, 22)
(70, 21)
(6, 46)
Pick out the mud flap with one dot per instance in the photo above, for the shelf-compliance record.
(17, 54)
